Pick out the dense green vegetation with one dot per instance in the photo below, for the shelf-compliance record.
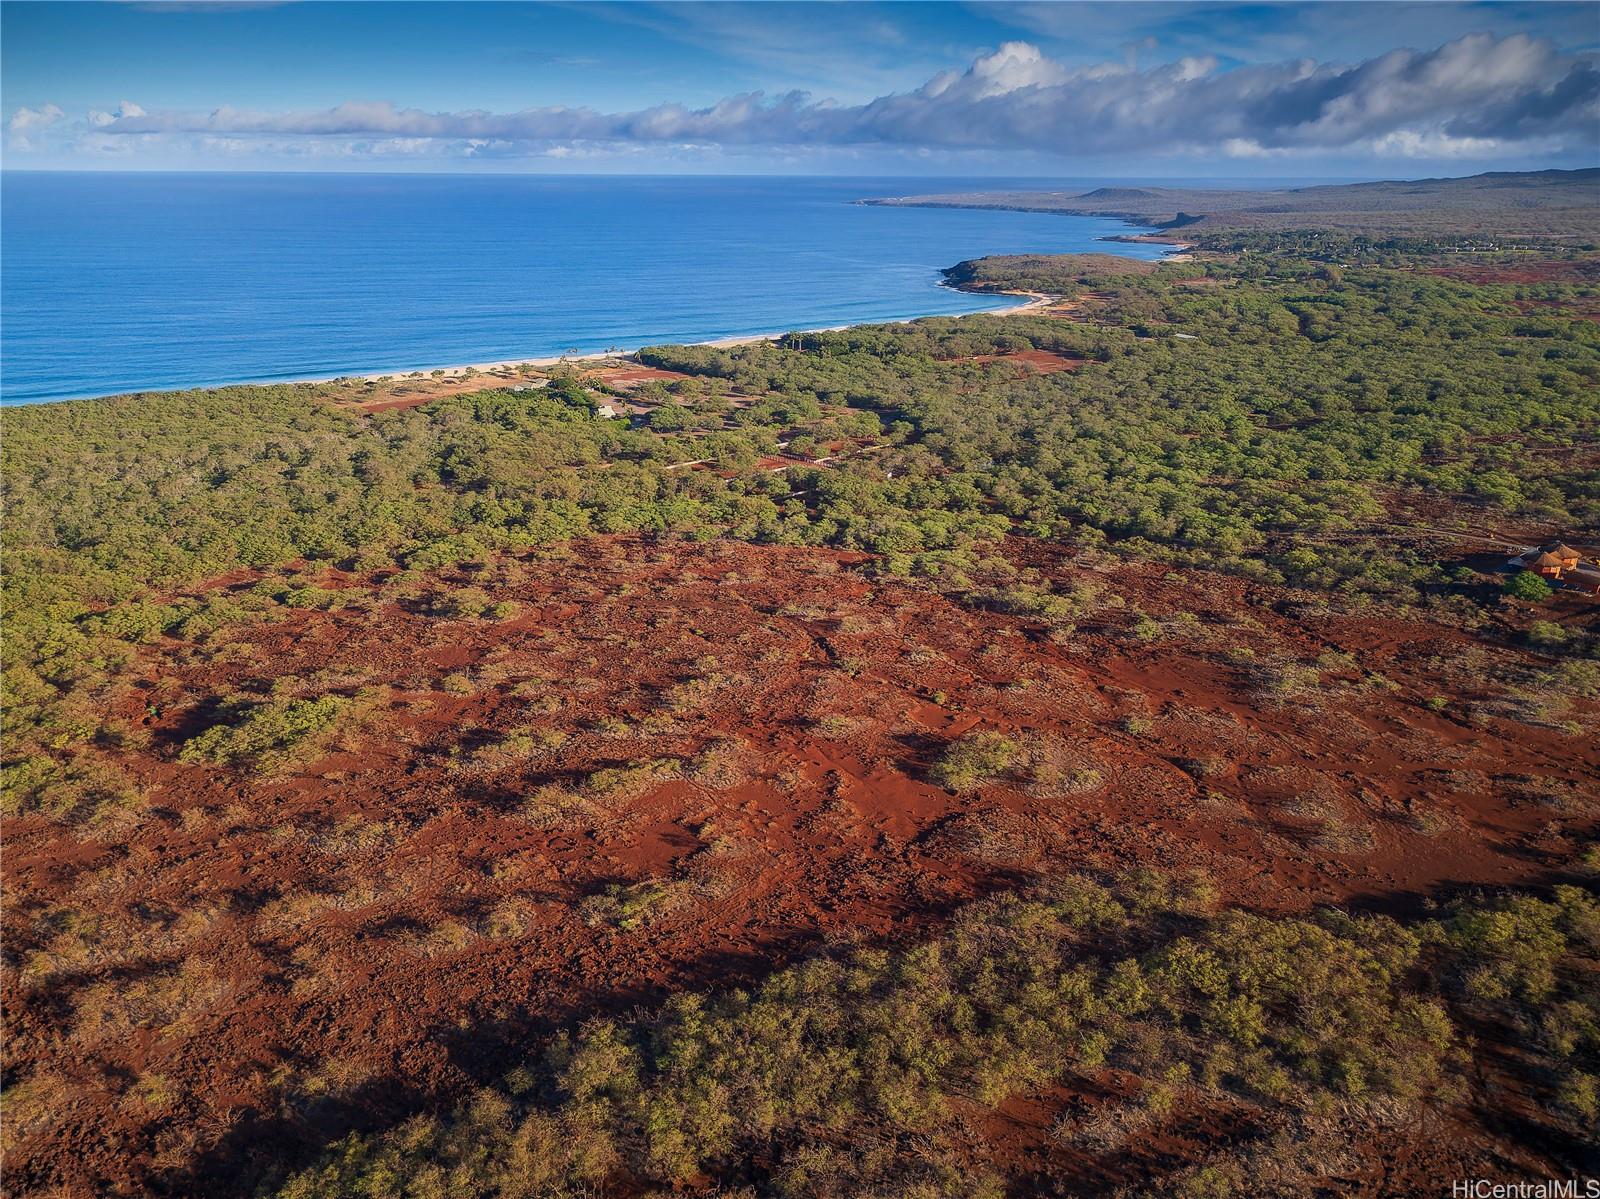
(1060, 273)
(1384, 248)
(261, 735)
(1250, 417)
(845, 1075)
(972, 758)
(1266, 417)
(1279, 415)
(1526, 585)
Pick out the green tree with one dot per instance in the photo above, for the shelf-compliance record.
(1525, 585)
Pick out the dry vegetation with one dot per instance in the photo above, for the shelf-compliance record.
(1067, 754)
(601, 772)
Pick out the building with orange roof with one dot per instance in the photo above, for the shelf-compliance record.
(1569, 557)
(1546, 564)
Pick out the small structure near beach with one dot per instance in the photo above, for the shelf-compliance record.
(1561, 564)
(1569, 557)
(1546, 564)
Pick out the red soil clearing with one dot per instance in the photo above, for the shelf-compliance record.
(249, 964)
(1041, 362)
(390, 393)
(632, 376)
(1583, 270)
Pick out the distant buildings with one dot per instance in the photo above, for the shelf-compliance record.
(1561, 564)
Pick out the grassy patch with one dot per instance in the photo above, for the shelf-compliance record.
(268, 733)
(828, 1064)
(973, 759)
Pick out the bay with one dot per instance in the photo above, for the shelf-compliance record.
(116, 282)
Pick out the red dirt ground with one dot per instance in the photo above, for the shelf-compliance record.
(1582, 272)
(630, 377)
(244, 967)
(392, 392)
(1041, 362)
(1510, 274)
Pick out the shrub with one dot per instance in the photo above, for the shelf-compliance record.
(320, 598)
(633, 779)
(83, 788)
(1510, 948)
(1146, 629)
(1525, 585)
(138, 621)
(1546, 634)
(457, 683)
(973, 758)
(461, 603)
(628, 905)
(265, 733)
(861, 1047)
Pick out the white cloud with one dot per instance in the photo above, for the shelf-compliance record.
(34, 118)
(1243, 147)
(1412, 143)
(1473, 96)
(1015, 65)
(127, 109)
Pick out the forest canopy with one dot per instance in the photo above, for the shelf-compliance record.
(1265, 415)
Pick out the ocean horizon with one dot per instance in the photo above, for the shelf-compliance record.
(127, 282)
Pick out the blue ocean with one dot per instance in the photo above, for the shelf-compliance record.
(129, 282)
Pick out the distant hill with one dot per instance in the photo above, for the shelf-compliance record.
(1560, 205)
(1118, 193)
(1057, 273)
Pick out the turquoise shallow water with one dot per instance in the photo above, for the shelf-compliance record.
(125, 282)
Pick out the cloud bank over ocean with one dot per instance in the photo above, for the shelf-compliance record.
(1474, 96)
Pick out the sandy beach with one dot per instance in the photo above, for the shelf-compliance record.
(414, 385)
(1032, 302)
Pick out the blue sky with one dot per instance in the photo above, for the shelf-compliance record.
(1101, 89)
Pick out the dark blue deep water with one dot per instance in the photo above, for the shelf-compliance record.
(125, 282)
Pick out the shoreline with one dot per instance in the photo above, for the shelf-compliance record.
(456, 372)
(1030, 302)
